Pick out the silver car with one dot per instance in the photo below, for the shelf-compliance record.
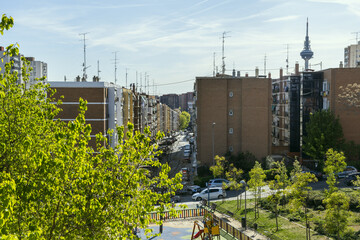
(212, 193)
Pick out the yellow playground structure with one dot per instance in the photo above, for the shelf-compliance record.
(209, 231)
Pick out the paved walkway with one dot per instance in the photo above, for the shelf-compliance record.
(235, 223)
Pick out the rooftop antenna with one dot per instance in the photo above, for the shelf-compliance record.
(223, 56)
(136, 82)
(287, 59)
(214, 64)
(126, 77)
(145, 81)
(84, 63)
(140, 82)
(98, 69)
(148, 84)
(265, 65)
(153, 87)
(115, 65)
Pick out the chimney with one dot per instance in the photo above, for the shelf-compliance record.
(269, 75)
(246, 75)
(341, 64)
(256, 72)
(233, 73)
(297, 69)
(281, 74)
(238, 73)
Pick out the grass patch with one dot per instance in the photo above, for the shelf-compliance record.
(266, 222)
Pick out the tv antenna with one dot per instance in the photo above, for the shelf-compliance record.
(84, 63)
(287, 59)
(98, 69)
(214, 64)
(126, 77)
(115, 65)
(223, 50)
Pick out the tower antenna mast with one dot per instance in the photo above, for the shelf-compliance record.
(287, 59)
(98, 70)
(307, 54)
(214, 65)
(115, 65)
(265, 65)
(223, 50)
(126, 77)
(84, 63)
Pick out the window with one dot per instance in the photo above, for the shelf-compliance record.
(231, 112)
(231, 148)
(231, 130)
(231, 94)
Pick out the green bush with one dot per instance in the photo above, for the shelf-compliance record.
(270, 174)
(204, 171)
(316, 199)
(201, 181)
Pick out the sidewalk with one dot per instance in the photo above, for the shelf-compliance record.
(235, 223)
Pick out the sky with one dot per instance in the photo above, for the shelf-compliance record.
(170, 42)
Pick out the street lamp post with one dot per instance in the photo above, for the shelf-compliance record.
(213, 143)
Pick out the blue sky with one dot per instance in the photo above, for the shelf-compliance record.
(173, 41)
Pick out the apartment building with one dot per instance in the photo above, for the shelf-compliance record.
(39, 70)
(128, 99)
(349, 116)
(184, 100)
(104, 105)
(172, 100)
(308, 93)
(280, 109)
(352, 56)
(232, 114)
(16, 65)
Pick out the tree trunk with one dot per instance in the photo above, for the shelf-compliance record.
(276, 215)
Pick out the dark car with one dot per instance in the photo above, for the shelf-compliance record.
(318, 175)
(349, 180)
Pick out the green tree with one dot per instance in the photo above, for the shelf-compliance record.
(278, 186)
(220, 167)
(299, 190)
(257, 177)
(323, 131)
(336, 202)
(234, 175)
(53, 185)
(184, 119)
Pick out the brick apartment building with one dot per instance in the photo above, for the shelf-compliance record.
(240, 107)
(104, 105)
(321, 91)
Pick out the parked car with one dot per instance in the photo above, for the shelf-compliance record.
(213, 193)
(194, 189)
(218, 182)
(348, 170)
(351, 178)
(176, 198)
(318, 175)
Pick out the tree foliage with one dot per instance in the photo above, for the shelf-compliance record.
(257, 177)
(323, 131)
(184, 120)
(299, 190)
(336, 202)
(278, 186)
(53, 185)
(220, 167)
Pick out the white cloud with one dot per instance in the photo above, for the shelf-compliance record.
(352, 5)
(281, 19)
